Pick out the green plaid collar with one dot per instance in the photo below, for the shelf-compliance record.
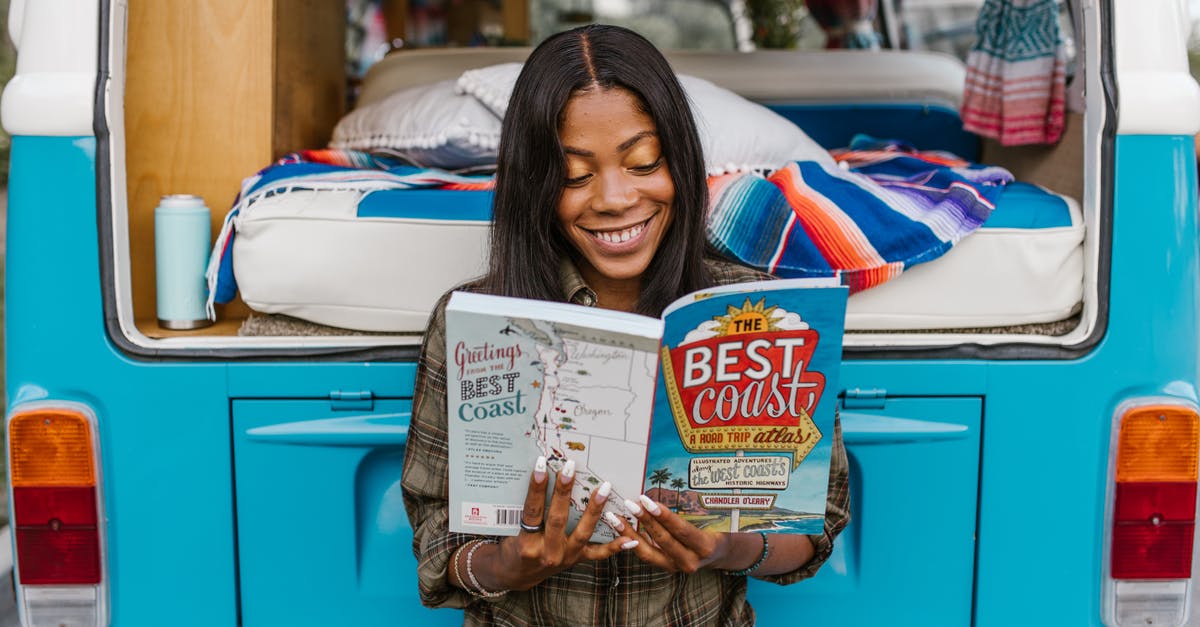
(573, 286)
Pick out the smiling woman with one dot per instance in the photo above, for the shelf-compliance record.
(600, 200)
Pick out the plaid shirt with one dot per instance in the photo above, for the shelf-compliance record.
(621, 590)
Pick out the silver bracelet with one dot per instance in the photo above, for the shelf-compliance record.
(479, 590)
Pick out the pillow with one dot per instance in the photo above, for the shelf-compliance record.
(429, 126)
(737, 135)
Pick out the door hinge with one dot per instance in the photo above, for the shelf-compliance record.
(362, 400)
(864, 399)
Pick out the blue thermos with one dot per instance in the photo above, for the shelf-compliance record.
(182, 238)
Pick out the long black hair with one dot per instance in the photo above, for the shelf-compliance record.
(527, 241)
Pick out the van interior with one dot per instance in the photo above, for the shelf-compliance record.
(214, 92)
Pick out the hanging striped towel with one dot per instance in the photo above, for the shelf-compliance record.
(888, 208)
(1016, 74)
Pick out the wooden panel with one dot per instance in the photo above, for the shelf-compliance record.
(395, 13)
(197, 113)
(516, 21)
(310, 73)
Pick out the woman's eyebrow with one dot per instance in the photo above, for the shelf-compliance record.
(625, 145)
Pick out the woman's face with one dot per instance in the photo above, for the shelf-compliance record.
(618, 195)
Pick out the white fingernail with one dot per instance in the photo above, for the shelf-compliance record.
(633, 508)
(613, 521)
(603, 492)
(539, 469)
(650, 505)
(630, 545)
(567, 472)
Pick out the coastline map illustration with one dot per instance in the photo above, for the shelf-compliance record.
(594, 399)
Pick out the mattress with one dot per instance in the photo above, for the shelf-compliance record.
(379, 262)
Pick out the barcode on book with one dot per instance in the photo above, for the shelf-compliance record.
(490, 515)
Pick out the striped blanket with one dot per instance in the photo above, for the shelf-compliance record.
(887, 208)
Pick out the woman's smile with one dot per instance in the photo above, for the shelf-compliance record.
(619, 239)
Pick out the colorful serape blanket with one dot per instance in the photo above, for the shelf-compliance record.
(887, 208)
(1016, 74)
(344, 170)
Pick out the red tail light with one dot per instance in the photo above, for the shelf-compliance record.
(57, 538)
(1154, 510)
(71, 507)
(53, 455)
(58, 556)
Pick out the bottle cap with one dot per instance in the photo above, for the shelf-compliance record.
(181, 200)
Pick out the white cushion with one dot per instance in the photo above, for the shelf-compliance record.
(737, 135)
(429, 125)
(993, 277)
(307, 254)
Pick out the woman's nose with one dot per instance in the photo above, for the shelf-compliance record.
(616, 191)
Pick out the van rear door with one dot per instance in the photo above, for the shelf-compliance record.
(908, 555)
(323, 538)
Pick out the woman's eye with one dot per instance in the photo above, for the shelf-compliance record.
(648, 168)
(578, 180)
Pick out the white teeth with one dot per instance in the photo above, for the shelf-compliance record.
(617, 237)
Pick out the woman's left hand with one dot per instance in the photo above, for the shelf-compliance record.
(675, 544)
(672, 543)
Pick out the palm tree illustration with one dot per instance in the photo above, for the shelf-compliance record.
(677, 484)
(659, 477)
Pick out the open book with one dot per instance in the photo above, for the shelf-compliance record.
(722, 410)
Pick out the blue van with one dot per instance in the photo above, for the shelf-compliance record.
(1020, 415)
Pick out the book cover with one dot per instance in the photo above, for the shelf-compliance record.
(529, 378)
(743, 419)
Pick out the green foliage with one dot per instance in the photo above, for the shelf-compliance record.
(8, 64)
(777, 23)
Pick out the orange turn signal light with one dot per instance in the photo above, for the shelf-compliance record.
(50, 447)
(1159, 443)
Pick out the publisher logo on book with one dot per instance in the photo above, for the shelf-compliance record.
(741, 382)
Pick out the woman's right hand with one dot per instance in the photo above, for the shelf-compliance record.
(529, 558)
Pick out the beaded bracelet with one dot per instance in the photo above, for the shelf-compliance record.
(479, 590)
(753, 567)
(456, 560)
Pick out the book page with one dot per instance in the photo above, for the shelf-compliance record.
(524, 381)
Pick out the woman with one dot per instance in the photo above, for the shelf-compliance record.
(600, 201)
